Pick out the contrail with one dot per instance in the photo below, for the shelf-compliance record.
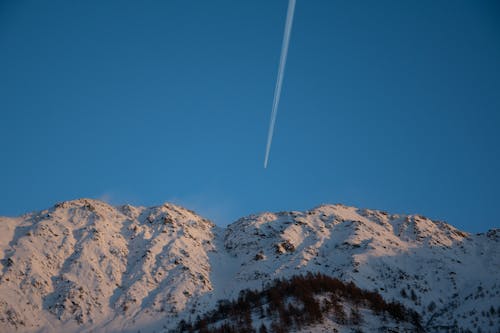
(281, 72)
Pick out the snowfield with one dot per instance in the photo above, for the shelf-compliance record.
(84, 265)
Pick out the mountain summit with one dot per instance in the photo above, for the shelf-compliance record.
(85, 265)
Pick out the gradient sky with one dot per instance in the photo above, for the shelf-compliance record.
(392, 105)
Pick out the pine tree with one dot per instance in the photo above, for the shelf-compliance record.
(355, 317)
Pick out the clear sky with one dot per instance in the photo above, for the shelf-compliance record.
(392, 105)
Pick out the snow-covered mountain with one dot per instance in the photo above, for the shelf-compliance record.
(85, 265)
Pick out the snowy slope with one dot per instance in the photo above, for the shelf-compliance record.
(84, 264)
(437, 267)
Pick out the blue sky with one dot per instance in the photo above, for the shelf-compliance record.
(393, 105)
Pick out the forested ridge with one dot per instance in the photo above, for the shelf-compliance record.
(295, 303)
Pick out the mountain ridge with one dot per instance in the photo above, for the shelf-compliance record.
(84, 264)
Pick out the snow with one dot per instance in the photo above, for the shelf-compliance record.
(85, 265)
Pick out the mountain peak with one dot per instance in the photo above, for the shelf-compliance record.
(86, 265)
(81, 203)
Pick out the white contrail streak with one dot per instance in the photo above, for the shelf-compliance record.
(281, 72)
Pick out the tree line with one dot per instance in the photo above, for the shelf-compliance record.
(296, 303)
